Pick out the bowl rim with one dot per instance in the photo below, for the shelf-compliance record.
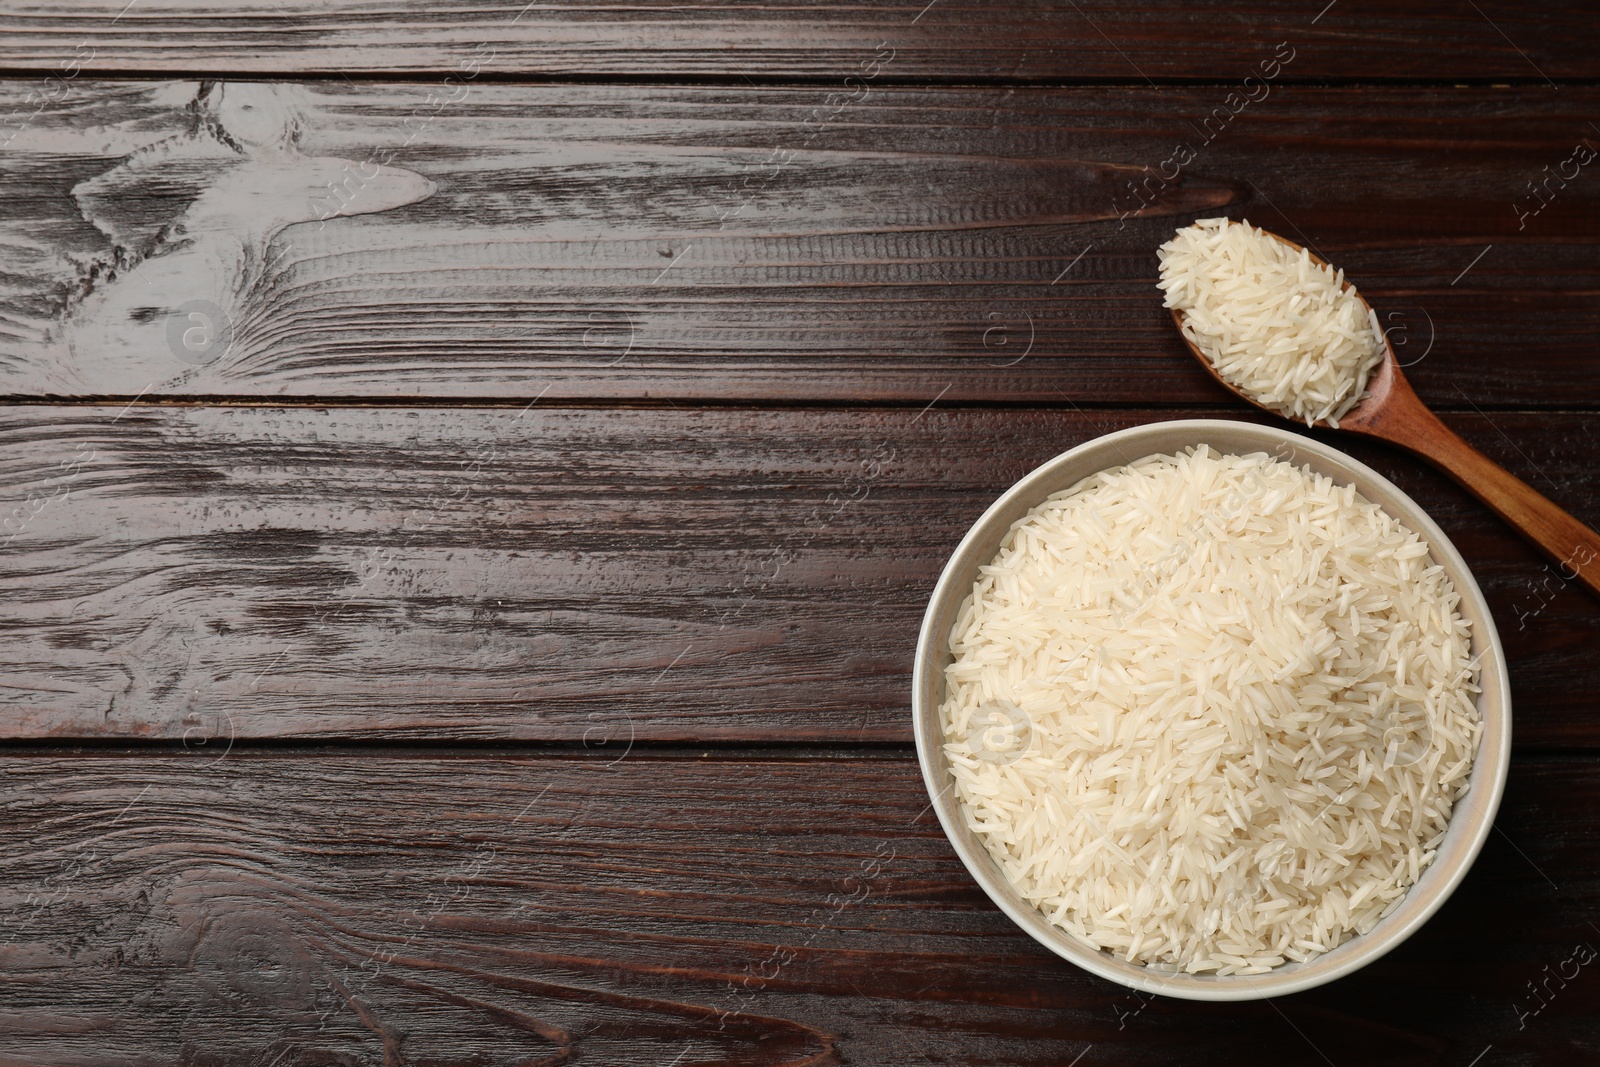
(1473, 817)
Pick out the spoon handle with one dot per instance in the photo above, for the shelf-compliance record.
(1570, 544)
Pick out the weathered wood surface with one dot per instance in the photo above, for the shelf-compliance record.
(555, 573)
(956, 39)
(860, 208)
(816, 243)
(307, 909)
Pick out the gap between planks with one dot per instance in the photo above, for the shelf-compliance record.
(428, 75)
(770, 751)
(1203, 407)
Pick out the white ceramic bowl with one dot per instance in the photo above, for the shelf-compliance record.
(1472, 819)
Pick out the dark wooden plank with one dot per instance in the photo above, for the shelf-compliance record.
(313, 909)
(931, 38)
(742, 243)
(560, 573)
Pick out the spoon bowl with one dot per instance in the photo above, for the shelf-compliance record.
(1389, 410)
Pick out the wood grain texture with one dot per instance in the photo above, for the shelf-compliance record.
(212, 573)
(746, 208)
(860, 243)
(437, 911)
(943, 38)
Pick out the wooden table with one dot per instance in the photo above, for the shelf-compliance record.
(474, 472)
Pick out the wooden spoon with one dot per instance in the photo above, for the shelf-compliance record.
(1391, 411)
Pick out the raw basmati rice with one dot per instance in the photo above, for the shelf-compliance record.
(1272, 321)
(1211, 713)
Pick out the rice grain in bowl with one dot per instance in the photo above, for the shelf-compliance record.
(1212, 835)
